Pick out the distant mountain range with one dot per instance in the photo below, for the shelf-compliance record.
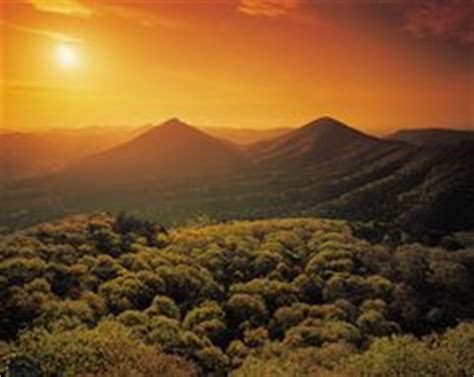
(419, 186)
(28, 154)
(432, 136)
(32, 154)
(24, 154)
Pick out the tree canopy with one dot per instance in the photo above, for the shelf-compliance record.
(97, 295)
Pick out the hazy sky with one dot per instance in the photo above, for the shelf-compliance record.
(377, 65)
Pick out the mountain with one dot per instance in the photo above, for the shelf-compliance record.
(170, 150)
(245, 136)
(432, 136)
(320, 140)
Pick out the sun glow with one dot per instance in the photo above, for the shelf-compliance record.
(67, 56)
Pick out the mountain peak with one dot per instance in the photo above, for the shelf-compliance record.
(173, 127)
(327, 119)
(174, 122)
(328, 127)
(325, 122)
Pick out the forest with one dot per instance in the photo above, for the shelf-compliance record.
(102, 295)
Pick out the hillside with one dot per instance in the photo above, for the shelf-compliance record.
(430, 191)
(432, 137)
(170, 150)
(102, 296)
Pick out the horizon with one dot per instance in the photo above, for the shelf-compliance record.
(144, 127)
(378, 67)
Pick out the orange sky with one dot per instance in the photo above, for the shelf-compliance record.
(238, 63)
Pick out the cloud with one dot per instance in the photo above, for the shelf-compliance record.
(445, 19)
(41, 32)
(66, 7)
(34, 87)
(87, 8)
(267, 8)
(143, 18)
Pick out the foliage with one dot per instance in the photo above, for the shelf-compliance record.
(104, 296)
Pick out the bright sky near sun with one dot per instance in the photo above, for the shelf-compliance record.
(67, 55)
(237, 63)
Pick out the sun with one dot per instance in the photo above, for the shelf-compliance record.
(67, 56)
